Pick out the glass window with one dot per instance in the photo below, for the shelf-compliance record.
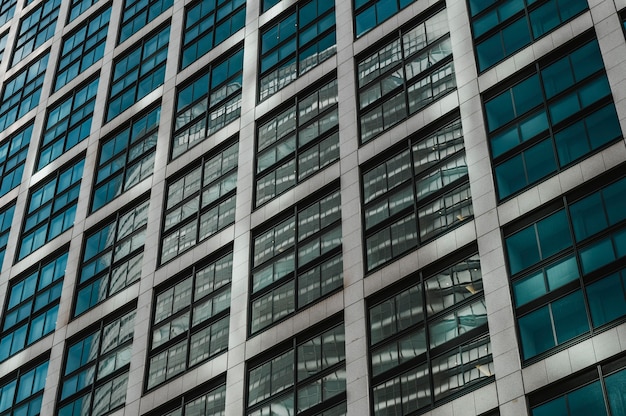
(207, 399)
(191, 320)
(138, 13)
(268, 4)
(7, 9)
(370, 13)
(208, 103)
(68, 123)
(405, 75)
(30, 312)
(51, 208)
(13, 153)
(21, 93)
(3, 43)
(95, 374)
(126, 158)
(83, 48)
(35, 28)
(300, 41)
(6, 218)
(296, 260)
(21, 392)
(309, 373)
(138, 73)
(112, 257)
(207, 24)
(201, 202)
(298, 142)
(77, 7)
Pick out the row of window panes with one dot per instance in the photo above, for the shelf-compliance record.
(298, 142)
(211, 403)
(22, 393)
(370, 13)
(296, 261)
(138, 13)
(191, 320)
(36, 28)
(6, 218)
(200, 203)
(77, 7)
(13, 157)
(7, 9)
(405, 75)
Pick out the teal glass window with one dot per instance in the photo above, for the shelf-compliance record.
(292, 381)
(191, 319)
(301, 40)
(206, 399)
(51, 208)
(68, 123)
(534, 135)
(30, 312)
(21, 392)
(126, 158)
(3, 43)
(298, 142)
(138, 13)
(207, 24)
(83, 48)
(419, 191)
(268, 4)
(6, 218)
(13, 153)
(405, 75)
(201, 202)
(502, 28)
(7, 9)
(208, 103)
(35, 28)
(138, 73)
(370, 13)
(97, 366)
(21, 93)
(112, 257)
(297, 260)
(77, 7)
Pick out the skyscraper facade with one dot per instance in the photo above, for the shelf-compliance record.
(314, 207)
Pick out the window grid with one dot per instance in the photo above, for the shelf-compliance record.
(77, 7)
(35, 29)
(405, 75)
(51, 208)
(6, 218)
(416, 194)
(299, 42)
(298, 142)
(191, 320)
(138, 13)
(126, 158)
(3, 43)
(430, 339)
(7, 9)
(297, 260)
(112, 257)
(82, 48)
(200, 203)
(207, 24)
(22, 391)
(95, 372)
(209, 399)
(208, 103)
(68, 123)
(138, 73)
(21, 93)
(370, 13)
(12, 159)
(534, 136)
(30, 312)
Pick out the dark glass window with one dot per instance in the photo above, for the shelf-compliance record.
(7, 8)
(501, 28)
(297, 142)
(559, 113)
(208, 399)
(370, 13)
(417, 193)
(191, 319)
(95, 372)
(77, 7)
(126, 158)
(51, 208)
(268, 4)
(300, 41)
(568, 261)
(21, 93)
(3, 43)
(112, 257)
(138, 73)
(200, 203)
(82, 48)
(30, 312)
(35, 28)
(68, 123)
(297, 260)
(429, 340)
(207, 24)
(405, 75)
(6, 218)
(138, 13)
(13, 153)
(208, 103)
(21, 392)
(306, 376)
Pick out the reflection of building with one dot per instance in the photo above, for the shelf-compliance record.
(312, 207)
